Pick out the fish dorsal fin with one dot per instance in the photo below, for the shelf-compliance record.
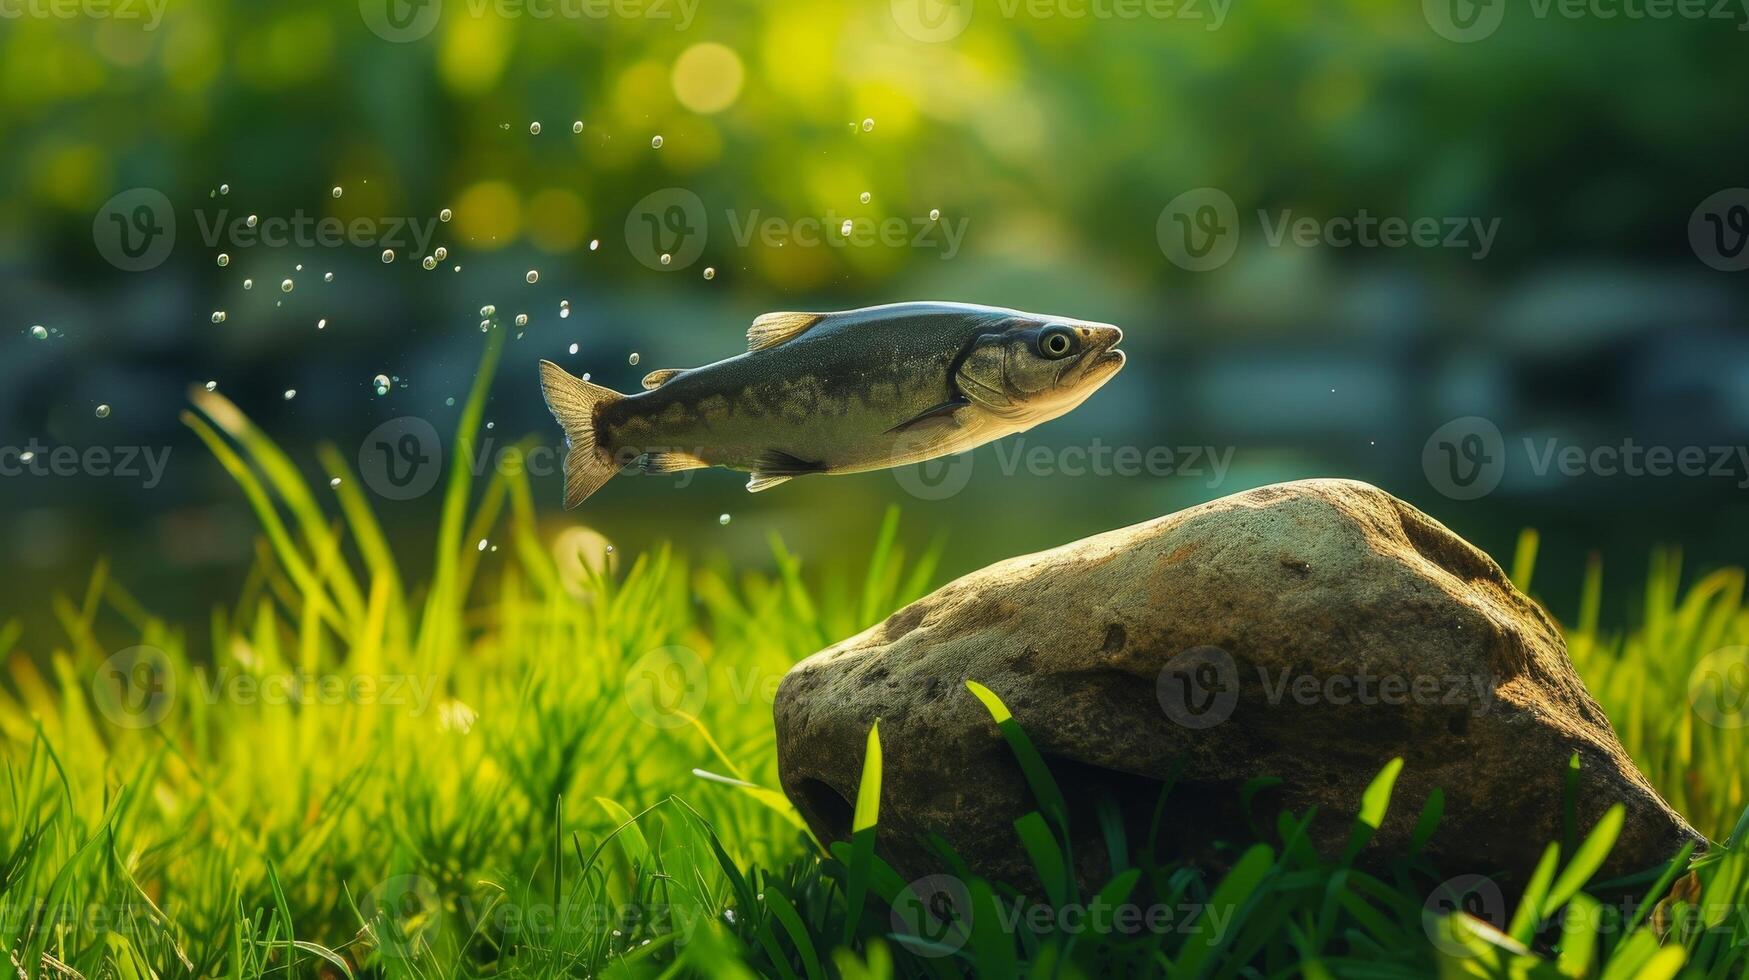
(656, 379)
(775, 328)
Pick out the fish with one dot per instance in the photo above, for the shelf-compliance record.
(833, 393)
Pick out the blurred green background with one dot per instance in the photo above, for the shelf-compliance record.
(1050, 137)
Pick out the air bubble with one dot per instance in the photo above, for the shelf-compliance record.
(445, 214)
(533, 276)
(388, 255)
(218, 316)
(102, 411)
(224, 260)
(40, 332)
(710, 272)
(655, 142)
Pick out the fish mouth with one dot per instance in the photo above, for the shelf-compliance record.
(1106, 359)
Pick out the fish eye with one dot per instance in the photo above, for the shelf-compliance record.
(1057, 342)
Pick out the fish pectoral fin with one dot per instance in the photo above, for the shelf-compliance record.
(776, 328)
(775, 466)
(656, 379)
(673, 462)
(944, 410)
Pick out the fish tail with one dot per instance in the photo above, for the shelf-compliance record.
(573, 403)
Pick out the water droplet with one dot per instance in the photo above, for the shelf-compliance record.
(103, 411)
(334, 482)
(522, 319)
(710, 272)
(577, 127)
(388, 255)
(224, 260)
(867, 125)
(291, 393)
(218, 316)
(655, 142)
(445, 214)
(251, 221)
(440, 253)
(573, 348)
(633, 360)
(430, 262)
(666, 258)
(534, 128)
(934, 214)
(212, 386)
(866, 197)
(533, 276)
(594, 243)
(286, 286)
(381, 383)
(40, 332)
(723, 519)
(248, 284)
(337, 190)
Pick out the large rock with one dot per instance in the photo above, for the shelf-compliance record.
(1308, 631)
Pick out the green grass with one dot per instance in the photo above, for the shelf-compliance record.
(549, 761)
